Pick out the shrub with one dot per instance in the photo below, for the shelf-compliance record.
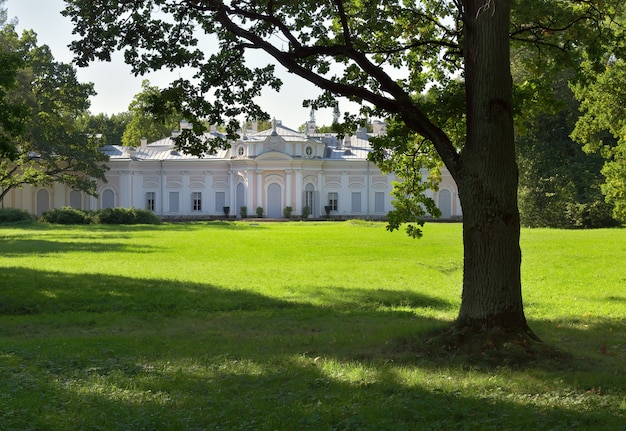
(243, 211)
(65, 215)
(287, 212)
(259, 212)
(126, 216)
(14, 215)
(306, 211)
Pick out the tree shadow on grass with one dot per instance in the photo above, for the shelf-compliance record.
(113, 353)
(23, 246)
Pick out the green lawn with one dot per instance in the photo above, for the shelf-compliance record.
(289, 326)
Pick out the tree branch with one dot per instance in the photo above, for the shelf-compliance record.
(399, 103)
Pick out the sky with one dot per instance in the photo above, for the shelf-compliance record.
(115, 84)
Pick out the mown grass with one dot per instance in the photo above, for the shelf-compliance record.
(295, 326)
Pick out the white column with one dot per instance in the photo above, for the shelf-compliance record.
(231, 188)
(259, 189)
(298, 208)
(207, 192)
(288, 197)
(184, 195)
(320, 204)
(250, 192)
(344, 203)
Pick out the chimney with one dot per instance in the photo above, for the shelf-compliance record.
(144, 142)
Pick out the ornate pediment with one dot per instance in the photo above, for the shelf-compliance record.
(274, 155)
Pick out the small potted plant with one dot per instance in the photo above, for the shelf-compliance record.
(306, 212)
(259, 212)
(226, 211)
(243, 211)
(287, 212)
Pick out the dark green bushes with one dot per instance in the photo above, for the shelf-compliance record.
(126, 216)
(68, 215)
(13, 215)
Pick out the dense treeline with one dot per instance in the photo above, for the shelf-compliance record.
(559, 183)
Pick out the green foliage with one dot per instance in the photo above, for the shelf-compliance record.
(287, 212)
(400, 61)
(52, 147)
(126, 216)
(66, 215)
(602, 127)
(259, 212)
(306, 212)
(108, 129)
(144, 123)
(559, 184)
(410, 156)
(243, 210)
(13, 114)
(14, 215)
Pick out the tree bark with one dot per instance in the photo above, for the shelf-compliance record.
(487, 177)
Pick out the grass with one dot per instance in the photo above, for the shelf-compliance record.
(236, 326)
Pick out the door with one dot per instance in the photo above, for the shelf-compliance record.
(274, 201)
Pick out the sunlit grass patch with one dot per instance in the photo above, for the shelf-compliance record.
(294, 326)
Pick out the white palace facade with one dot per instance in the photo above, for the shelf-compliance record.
(272, 169)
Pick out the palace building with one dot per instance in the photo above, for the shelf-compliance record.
(311, 173)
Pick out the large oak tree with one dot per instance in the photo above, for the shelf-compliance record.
(48, 146)
(385, 55)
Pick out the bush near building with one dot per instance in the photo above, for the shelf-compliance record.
(67, 215)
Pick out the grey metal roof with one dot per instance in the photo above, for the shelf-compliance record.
(355, 147)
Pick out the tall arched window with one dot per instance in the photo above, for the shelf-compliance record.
(108, 199)
(43, 201)
(75, 199)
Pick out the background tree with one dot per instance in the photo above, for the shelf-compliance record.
(51, 147)
(559, 183)
(602, 127)
(143, 123)
(110, 129)
(12, 114)
(384, 55)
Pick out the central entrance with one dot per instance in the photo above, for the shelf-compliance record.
(274, 201)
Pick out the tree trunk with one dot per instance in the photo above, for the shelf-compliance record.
(487, 177)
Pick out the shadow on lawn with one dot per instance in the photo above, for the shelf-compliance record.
(38, 247)
(165, 355)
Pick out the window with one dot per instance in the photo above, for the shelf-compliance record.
(333, 197)
(75, 200)
(379, 202)
(309, 151)
(220, 202)
(174, 200)
(108, 199)
(308, 199)
(196, 201)
(240, 151)
(150, 199)
(356, 202)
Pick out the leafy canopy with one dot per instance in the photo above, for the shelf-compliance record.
(403, 61)
(602, 128)
(142, 123)
(12, 113)
(50, 146)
